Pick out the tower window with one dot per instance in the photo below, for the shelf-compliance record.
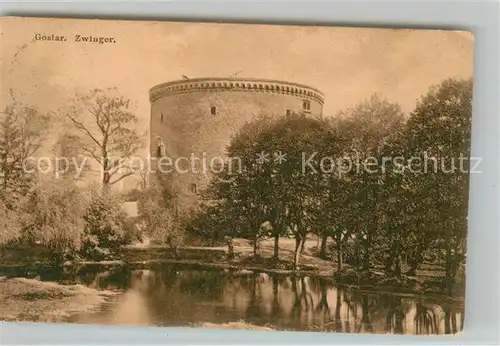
(161, 117)
(160, 147)
(213, 110)
(193, 188)
(306, 105)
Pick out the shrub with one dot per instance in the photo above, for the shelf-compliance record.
(159, 217)
(54, 218)
(105, 228)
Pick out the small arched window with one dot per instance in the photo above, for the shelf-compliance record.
(193, 188)
(160, 147)
(213, 110)
(306, 105)
(161, 118)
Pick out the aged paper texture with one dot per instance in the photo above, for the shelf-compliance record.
(234, 176)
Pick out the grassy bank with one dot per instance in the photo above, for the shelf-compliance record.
(32, 300)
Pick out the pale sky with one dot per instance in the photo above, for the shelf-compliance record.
(347, 64)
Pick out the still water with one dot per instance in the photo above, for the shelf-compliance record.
(173, 295)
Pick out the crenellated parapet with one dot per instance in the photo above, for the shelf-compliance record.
(235, 84)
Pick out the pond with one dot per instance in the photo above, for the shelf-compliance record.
(180, 295)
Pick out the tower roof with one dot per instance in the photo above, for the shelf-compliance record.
(232, 83)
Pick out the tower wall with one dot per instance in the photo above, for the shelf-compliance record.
(199, 117)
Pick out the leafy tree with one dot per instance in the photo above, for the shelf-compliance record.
(240, 188)
(211, 222)
(367, 128)
(270, 188)
(22, 132)
(292, 189)
(159, 217)
(438, 134)
(333, 209)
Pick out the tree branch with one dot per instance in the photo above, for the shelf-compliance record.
(80, 126)
(122, 177)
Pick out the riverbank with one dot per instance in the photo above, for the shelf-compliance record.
(428, 280)
(31, 300)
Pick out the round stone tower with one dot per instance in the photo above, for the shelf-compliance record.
(195, 119)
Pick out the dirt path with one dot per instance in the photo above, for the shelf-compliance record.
(286, 251)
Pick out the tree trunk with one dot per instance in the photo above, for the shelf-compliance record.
(298, 245)
(449, 279)
(367, 250)
(105, 165)
(322, 251)
(302, 245)
(105, 183)
(415, 262)
(388, 263)
(276, 246)
(339, 255)
(397, 270)
(255, 244)
(356, 253)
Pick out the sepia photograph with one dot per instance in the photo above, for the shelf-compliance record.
(235, 176)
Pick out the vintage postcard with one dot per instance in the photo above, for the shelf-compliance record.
(237, 176)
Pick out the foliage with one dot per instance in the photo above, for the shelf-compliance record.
(11, 221)
(380, 209)
(391, 191)
(211, 223)
(55, 211)
(22, 132)
(240, 190)
(439, 130)
(158, 216)
(55, 217)
(105, 228)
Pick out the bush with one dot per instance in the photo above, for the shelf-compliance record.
(105, 229)
(54, 218)
(159, 218)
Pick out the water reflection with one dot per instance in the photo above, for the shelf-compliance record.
(174, 296)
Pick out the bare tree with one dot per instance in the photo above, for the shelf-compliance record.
(105, 123)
